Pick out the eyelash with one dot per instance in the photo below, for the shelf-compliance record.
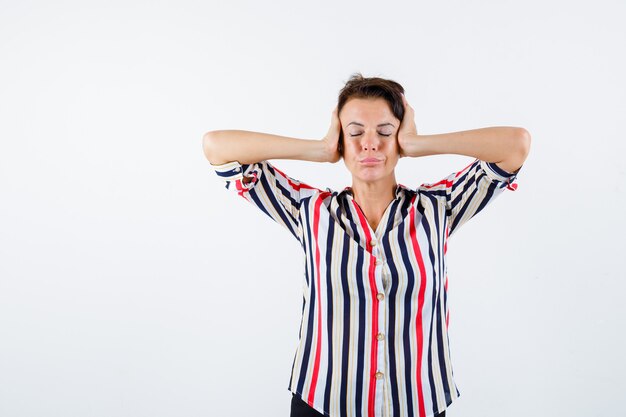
(382, 134)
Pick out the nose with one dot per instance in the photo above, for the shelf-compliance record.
(370, 142)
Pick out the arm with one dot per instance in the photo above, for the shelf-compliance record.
(247, 147)
(507, 146)
(239, 157)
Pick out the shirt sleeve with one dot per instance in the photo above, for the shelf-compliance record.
(269, 189)
(471, 189)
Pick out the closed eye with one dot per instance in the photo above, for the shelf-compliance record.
(382, 134)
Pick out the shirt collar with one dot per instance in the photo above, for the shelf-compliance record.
(400, 188)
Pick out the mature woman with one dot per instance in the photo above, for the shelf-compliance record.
(374, 329)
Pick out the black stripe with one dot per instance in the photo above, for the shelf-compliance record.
(309, 278)
(227, 174)
(406, 331)
(440, 192)
(345, 343)
(463, 194)
(500, 171)
(278, 207)
(360, 366)
(435, 331)
(488, 195)
(283, 190)
(469, 170)
(459, 215)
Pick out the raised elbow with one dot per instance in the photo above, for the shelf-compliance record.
(523, 141)
(210, 146)
(518, 148)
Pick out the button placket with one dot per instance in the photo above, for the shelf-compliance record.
(382, 353)
(380, 270)
(379, 263)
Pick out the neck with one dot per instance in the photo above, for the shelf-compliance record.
(374, 196)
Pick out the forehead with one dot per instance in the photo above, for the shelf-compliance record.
(366, 110)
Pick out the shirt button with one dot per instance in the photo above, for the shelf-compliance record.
(379, 375)
(379, 261)
(373, 242)
(380, 296)
(380, 336)
(237, 169)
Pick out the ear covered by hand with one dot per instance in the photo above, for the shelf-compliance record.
(331, 140)
(407, 126)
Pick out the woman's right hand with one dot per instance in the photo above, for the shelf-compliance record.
(331, 140)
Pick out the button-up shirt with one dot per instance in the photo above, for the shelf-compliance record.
(373, 338)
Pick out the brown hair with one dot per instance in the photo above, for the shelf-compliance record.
(371, 87)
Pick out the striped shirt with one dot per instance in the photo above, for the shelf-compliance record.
(374, 328)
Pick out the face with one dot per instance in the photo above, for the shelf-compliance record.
(370, 138)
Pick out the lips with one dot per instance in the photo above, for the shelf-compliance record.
(370, 160)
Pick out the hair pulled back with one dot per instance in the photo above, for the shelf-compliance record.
(371, 87)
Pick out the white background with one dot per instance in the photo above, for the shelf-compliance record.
(132, 283)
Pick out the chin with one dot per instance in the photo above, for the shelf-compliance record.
(364, 173)
(371, 176)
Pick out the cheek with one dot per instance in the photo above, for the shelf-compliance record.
(395, 148)
(388, 143)
(350, 148)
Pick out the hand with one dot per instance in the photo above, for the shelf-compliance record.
(407, 127)
(331, 140)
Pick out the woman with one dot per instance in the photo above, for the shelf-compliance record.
(374, 329)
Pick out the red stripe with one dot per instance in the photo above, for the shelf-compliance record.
(445, 249)
(296, 186)
(241, 189)
(374, 290)
(445, 182)
(318, 344)
(464, 169)
(420, 304)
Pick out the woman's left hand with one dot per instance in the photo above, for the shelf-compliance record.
(407, 129)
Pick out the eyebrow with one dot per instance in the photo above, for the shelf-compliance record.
(362, 125)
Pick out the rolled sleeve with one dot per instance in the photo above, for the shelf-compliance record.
(495, 173)
(229, 172)
(269, 189)
(470, 190)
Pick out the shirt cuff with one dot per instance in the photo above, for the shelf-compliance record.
(229, 171)
(498, 174)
